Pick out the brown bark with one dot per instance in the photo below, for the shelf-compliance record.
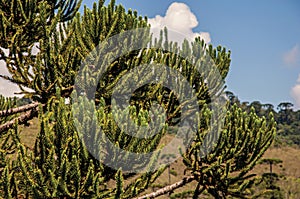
(22, 119)
(169, 188)
(18, 109)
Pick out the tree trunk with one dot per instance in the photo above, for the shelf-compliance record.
(18, 109)
(169, 188)
(22, 119)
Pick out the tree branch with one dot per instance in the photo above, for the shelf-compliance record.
(22, 119)
(18, 109)
(169, 188)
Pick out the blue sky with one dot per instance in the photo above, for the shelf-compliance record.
(264, 37)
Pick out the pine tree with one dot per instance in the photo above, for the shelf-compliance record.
(61, 165)
(225, 171)
(29, 23)
(7, 147)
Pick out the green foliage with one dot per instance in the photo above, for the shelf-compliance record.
(287, 119)
(6, 104)
(268, 186)
(39, 73)
(269, 180)
(225, 171)
(22, 23)
(8, 182)
(60, 166)
(101, 22)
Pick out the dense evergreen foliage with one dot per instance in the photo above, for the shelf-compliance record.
(59, 165)
(286, 117)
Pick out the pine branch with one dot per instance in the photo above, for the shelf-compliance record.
(169, 188)
(18, 109)
(22, 119)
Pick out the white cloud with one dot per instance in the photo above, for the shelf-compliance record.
(178, 18)
(6, 88)
(292, 57)
(295, 93)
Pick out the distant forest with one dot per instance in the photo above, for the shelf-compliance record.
(288, 120)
